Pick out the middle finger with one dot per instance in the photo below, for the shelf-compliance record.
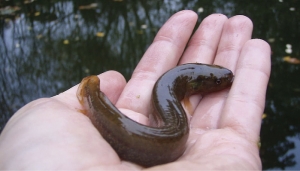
(237, 30)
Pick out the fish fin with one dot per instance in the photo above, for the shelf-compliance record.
(187, 105)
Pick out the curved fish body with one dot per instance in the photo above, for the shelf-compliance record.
(164, 140)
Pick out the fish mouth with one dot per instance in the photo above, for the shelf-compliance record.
(232, 79)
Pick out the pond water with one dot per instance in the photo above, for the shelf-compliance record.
(48, 46)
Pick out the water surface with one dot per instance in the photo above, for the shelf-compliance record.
(48, 46)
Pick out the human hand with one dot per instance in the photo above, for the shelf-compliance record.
(51, 133)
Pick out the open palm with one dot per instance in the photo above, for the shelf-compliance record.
(51, 133)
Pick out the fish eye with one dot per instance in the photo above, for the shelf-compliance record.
(218, 81)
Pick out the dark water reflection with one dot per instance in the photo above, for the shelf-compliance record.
(48, 46)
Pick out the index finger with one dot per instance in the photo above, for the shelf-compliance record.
(162, 55)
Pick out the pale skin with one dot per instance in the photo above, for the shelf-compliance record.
(51, 133)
